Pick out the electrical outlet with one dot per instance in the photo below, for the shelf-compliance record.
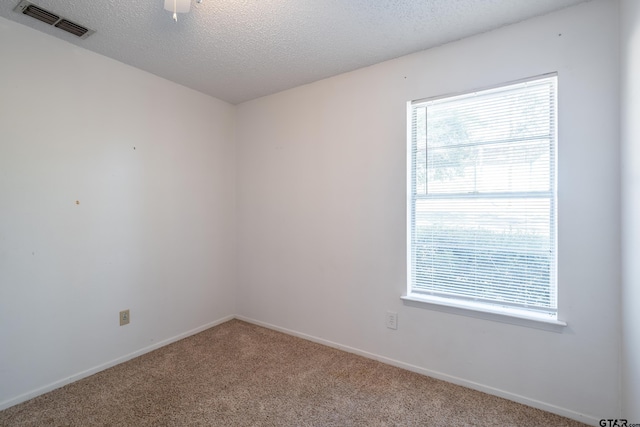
(124, 317)
(392, 320)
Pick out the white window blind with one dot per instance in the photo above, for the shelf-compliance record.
(482, 208)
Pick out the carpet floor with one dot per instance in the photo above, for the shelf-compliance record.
(239, 374)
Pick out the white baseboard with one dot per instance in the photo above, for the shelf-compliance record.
(80, 375)
(587, 419)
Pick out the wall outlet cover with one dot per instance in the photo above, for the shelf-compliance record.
(124, 317)
(392, 320)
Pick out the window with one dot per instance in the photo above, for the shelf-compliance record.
(482, 200)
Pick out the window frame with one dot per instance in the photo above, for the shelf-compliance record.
(487, 310)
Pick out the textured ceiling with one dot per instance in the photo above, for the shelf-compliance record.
(237, 50)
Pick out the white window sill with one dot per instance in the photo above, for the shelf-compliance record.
(481, 311)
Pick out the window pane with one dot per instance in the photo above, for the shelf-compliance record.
(482, 210)
(515, 167)
(521, 113)
(485, 248)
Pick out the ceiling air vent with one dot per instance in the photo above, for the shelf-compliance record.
(41, 14)
(72, 28)
(27, 8)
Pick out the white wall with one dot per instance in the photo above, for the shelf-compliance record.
(155, 228)
(321, 205)
(630, 91)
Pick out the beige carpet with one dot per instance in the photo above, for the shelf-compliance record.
(239, 374)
